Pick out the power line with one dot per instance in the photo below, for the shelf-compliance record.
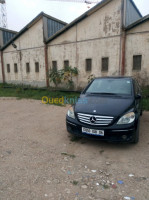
(78, 1)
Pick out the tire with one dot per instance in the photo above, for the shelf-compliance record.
(75, 138)
(141, 113)
(136, 135)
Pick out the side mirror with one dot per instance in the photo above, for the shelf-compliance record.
(138, 96)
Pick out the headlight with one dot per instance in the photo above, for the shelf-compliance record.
(70, 113)
(127, 119)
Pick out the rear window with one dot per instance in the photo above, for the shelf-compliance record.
(111, 86)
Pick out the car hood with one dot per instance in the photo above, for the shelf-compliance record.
(103, 105)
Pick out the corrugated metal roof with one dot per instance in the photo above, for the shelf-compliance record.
(7, 36)
(137, 23)
(132, 13)
(136, 8)
(37, 18)
(86, 14)
(11, 31)
(53, 26)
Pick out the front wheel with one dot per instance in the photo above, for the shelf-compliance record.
(136, 135)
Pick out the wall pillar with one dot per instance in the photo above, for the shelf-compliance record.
(123, 38)
(123, 53)
(2, 65)
(46, 64)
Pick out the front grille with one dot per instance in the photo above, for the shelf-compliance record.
(99, 120)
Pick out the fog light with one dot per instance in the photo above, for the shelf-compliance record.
(124, 137)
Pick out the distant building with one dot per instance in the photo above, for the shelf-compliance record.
(24, 57)
(96, 42)
(112, 38)
(5, 36)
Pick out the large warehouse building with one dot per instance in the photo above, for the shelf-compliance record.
(110, 39)
(5, 36)
(24, 57)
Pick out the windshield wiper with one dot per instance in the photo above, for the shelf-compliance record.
(103, 93)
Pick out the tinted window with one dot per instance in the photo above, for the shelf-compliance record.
(113, 86)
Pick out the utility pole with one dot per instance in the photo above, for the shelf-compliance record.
(3, 14)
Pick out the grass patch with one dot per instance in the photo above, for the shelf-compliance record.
(31, 93)
(9, 90)
(75, 182)
(67, 154)
(105, 186)
(145, 104)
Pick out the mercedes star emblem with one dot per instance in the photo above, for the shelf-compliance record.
(92, 119)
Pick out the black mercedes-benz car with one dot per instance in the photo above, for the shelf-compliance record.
(109, 108)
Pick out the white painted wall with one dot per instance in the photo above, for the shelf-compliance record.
(94, 37)
(137, 43)
(30, 49)
(1, 79)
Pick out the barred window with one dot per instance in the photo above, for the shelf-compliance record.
(88, 65)
(105, 64)
(137, 61)
(15, 68)
(27, 67)
(8, 68)
(54, 65)
(37, 67)
(66, 64)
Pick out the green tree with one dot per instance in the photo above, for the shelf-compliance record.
(56, 76)
(63, 75)
(69, 73)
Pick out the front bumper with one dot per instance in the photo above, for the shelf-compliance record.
(113, 133)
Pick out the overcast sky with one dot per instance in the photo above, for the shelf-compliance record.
(21, 12)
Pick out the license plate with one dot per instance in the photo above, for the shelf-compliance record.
(92, 131)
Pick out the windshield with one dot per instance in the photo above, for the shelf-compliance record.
(110, 86)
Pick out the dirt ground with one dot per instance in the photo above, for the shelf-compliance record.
(39, 160)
